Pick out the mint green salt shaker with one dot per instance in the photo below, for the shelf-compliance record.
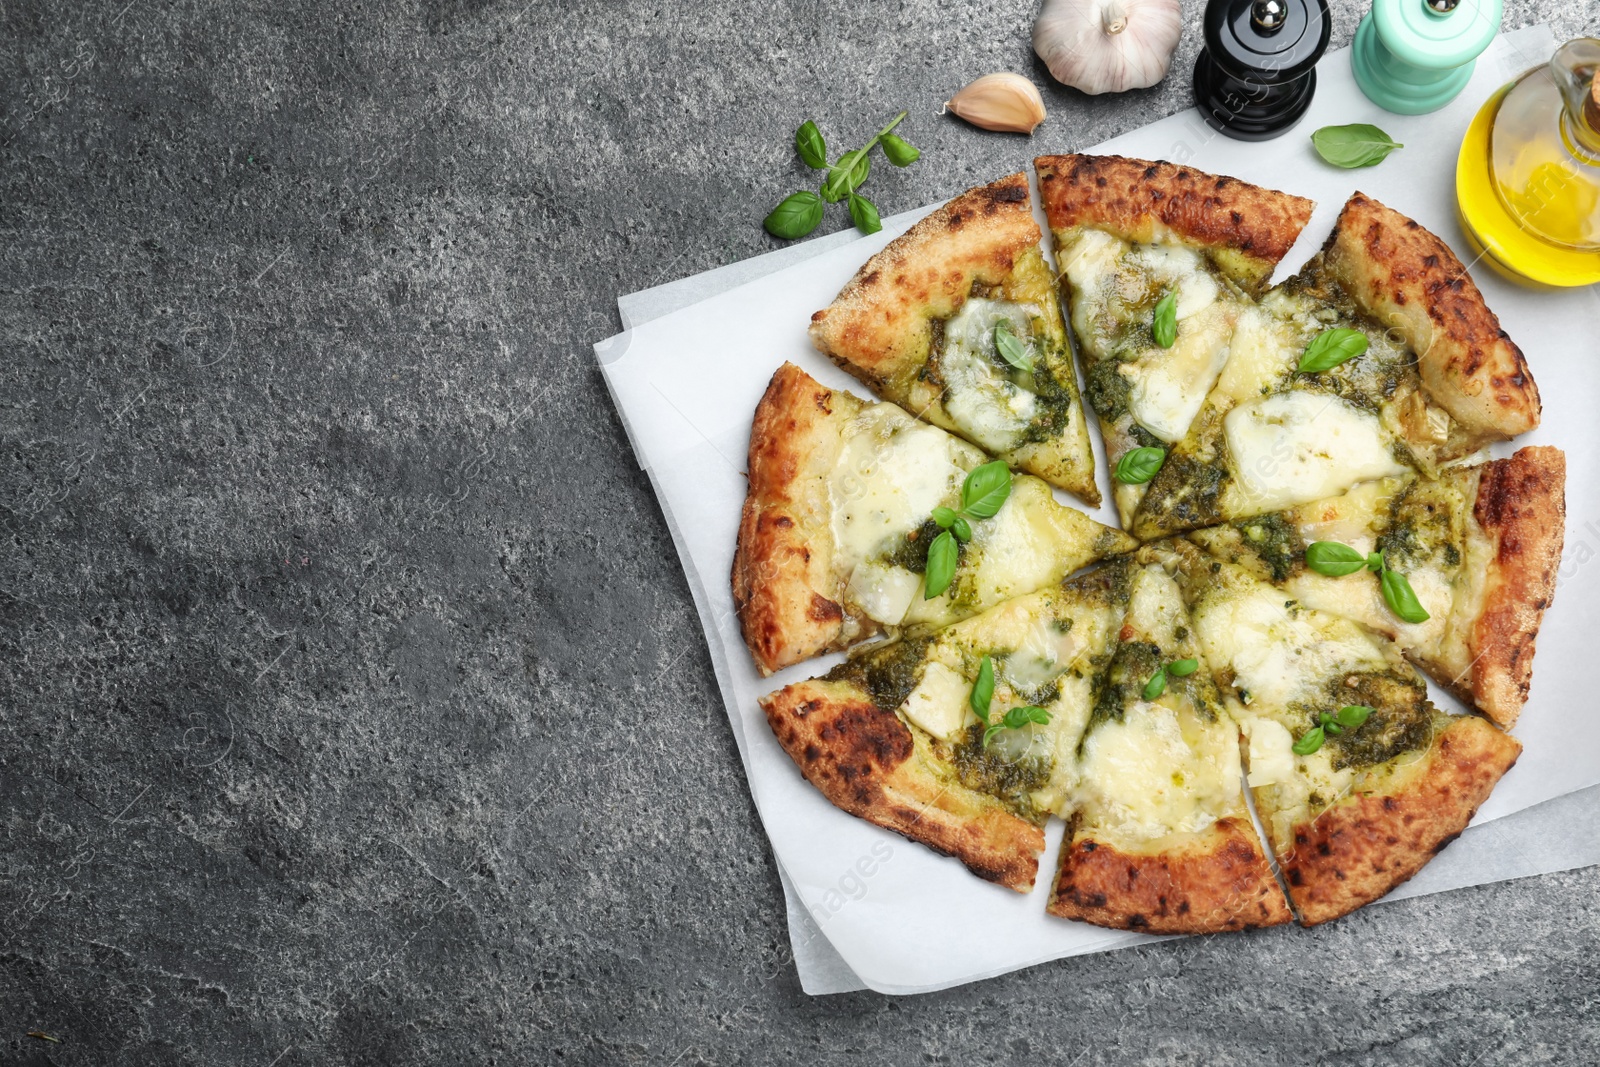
(1414, 56)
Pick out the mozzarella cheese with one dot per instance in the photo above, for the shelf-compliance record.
(1141, 778)
(979, 398)
(939, 702)
(1271, 752)
(891, 473)
(1289, 448)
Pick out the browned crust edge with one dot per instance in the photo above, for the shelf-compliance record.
(1217, 882)
(781, 570)
(1360, 849)
(1128, 197)
(878, 325)
(1409, 280)
(866, 762)
(1521, 506)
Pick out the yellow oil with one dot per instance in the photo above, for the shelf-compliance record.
(1543, 227)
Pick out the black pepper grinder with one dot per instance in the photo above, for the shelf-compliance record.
(1257, 72)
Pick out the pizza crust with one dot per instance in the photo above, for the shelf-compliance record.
(1408, 279)
(868, 762)
(1521, 507)
(1247, 229)
(785, 551)
(879, 326)
(1361, 848)
(1215, 881)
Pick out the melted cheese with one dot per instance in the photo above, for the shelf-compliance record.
(1089, 262)
(890, 475)
(978, 397)
(1289, 448)
(1271, 752)
(885, 592)
(939, 702)
(1168, 386)
(1142, 779)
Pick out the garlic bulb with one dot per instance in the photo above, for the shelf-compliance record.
(1006, 102)
(1106, 46)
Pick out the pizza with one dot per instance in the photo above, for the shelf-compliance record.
(1130, 234)
(840, 516)
(1227, 704)
(1479, 546)
(959, 322)
(1336, 379)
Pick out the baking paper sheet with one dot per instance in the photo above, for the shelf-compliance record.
(687, 379)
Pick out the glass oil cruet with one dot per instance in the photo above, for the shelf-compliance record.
(1528, 177)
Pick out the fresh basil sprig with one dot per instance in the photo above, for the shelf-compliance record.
(800, 213)
(1359, 144)
(1010, 348)
(1164, 323)
(983, 696)
(1158, 681)
(1337, 560)
(982, 493)
(1349, 717)
(1331, 348)
(1140, 465)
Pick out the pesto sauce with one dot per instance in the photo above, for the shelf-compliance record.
(1009, 781)
(1186, 493)
(1132, 665)
(887, 674)
(1107, 390)
(911, 551)
(1401, 719)
(1275, 541)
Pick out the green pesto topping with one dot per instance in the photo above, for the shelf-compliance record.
(887, 674)
(1133, 664)
(1008, 779)
(911, 551)
(1275, 541)
(1186, 493)
(1401, 719)
(1108, 391)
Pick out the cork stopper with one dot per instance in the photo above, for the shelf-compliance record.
(1591, 103)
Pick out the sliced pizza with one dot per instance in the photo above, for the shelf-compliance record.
(1477, 547)
(1378, 358)
(1161, 839)
(958, 322)
(963, 739)
(1158, 261)
(1359, 780)
(841, 535)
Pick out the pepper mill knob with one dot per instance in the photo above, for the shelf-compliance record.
(1257, 72)
(1414, 56)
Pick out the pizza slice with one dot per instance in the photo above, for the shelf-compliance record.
(1478, 547)
(958, 322)
(1132, 236)
(1359, 780)
(1378, 358)
(1160, 838)
(963, 739)
(840, 537)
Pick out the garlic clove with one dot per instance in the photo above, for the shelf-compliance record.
(1007, 102)
(1108, 46)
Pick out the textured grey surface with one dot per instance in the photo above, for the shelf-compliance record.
(354, 707)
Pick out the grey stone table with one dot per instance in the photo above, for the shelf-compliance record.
(353, 708)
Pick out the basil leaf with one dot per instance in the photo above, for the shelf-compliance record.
(899, 151)
(864, 214)
(944, 517)
(941, 569)
(985, 489)
(1353, 715)
(1038, 715)
(1016, 718)
(1402, 600)
(846, 175)
(1156, 685)
(797, 216)
(808, 142)
(1334, 559)
(983, 689)
(1331, 348)
(1011, 350)
(1359, 144)
(988, 735)
(1374, 561)
(1140, 465)
(1309, 743)
(1164, 323)
(1183, 668)
(961, 529)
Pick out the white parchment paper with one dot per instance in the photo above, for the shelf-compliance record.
(686, 379)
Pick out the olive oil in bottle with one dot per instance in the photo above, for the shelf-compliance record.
(1528, 176)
